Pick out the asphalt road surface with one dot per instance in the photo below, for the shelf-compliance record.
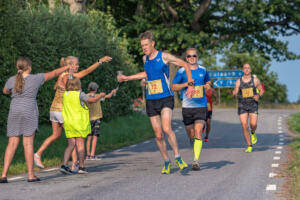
(133, 173)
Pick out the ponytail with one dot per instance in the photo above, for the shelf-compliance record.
(23, 64)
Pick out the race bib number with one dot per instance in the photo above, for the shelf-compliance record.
(247, 92)
(155, 87)
(198, 92)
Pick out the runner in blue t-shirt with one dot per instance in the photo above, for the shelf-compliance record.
(194, 109)
(159, 96)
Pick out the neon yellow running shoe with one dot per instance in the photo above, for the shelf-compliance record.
(181, 164)
(166, 168)
(253, 138)
(249, 149)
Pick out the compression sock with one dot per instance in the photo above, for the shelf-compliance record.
(197, 148)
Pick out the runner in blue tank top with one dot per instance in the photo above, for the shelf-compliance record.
(194, 110)
(159, 96)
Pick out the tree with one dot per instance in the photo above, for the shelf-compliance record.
(209, 25)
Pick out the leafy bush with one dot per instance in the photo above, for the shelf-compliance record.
(45, 37)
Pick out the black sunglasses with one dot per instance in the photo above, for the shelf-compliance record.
(195, 56)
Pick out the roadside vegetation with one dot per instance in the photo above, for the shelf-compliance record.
(294, 166)
(117, 133)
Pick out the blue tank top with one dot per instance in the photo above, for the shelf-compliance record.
(158, 84)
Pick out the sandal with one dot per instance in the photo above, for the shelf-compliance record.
(34, 180)
(3, 180)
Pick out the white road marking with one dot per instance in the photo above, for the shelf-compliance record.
(272, 175)
(146, 142)
(15, 178)
(180, 127)
(175, 123)
(279, 127)
(50, 170)
(271, 187)
(280, 143)
(281, 135)
(275, 165)
(279, 147)
(177, 130)
(134, 145)
(279, 123)
(281, 139)
(277, 152)
(276, 158)
(280, 131)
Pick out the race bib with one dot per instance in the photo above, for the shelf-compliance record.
(155, 87)
(247, 92)
(198, 92)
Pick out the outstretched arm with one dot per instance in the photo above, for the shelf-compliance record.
(55, 73)
(91, 68)
(96, 97)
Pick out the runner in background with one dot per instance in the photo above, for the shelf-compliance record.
(210, 93)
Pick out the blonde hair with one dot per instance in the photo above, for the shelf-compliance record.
(23, 63)
(69, 60)
(73, 84)
(62, 62)
(191, 49)
(147, 35)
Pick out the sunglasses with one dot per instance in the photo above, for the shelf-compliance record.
(188, 56)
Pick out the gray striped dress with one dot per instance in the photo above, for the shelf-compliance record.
(23, 112)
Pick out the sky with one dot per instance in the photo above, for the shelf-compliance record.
(289, 71)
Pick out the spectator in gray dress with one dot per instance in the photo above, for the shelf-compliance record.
(23, 113)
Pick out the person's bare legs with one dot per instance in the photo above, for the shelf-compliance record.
(94, 144)
(69, 150)
(88, 145)
(161, 144)
(56, 134)
(190, 131)
(9, 153)
(80, 150)
(253, 121)
(207, 127)
(166, 117)
(244, 122)
(28, 152)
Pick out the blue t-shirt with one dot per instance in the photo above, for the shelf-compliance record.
(158, 84)
(200, 77)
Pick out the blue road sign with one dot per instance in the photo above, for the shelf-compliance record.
(225, 74)
(224, 83)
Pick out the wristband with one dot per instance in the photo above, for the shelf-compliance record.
(191, 83)
(99, 61)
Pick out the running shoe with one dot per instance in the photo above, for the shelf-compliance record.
(166, 168)
(75, 168)
(37, 161)
(82, 170)
(65, 170)
(87, 157)
(181, 164)
(94, 158)
(206, 139)
(253, 138)
(249, 149)
(195, 165)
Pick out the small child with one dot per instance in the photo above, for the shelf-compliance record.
(95, 119)
(76, 121)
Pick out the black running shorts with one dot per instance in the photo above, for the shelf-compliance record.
(190, 115)
(155, 106)
(248, 108)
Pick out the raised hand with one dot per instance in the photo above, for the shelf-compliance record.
(105, 59)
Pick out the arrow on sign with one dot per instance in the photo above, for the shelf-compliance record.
(225, 74)
(227, 83)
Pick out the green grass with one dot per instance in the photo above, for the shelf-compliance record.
(117, 133)
(294, 166)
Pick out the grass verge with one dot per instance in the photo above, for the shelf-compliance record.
(294, 165)
(117, 133)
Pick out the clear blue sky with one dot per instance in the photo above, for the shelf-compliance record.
(289, 71)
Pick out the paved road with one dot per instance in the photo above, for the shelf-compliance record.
(133, 173)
